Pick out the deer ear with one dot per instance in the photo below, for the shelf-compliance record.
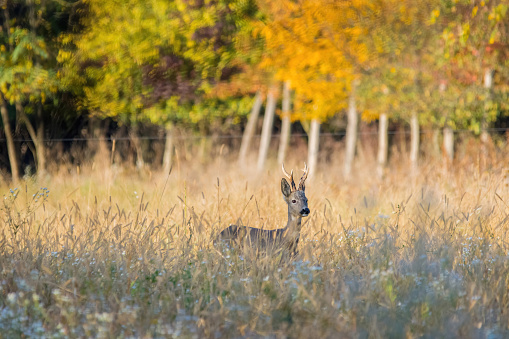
(285, 187)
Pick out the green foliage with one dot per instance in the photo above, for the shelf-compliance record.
(200, 113)
(27, 73)
(468, 46)
(153, 62)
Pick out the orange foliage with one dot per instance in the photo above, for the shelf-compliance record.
(318, 46)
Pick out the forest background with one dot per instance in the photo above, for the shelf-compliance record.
(142, 82)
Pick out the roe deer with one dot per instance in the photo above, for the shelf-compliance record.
(281, 238)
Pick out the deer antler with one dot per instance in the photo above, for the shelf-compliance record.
(289, 176)
(302, 187)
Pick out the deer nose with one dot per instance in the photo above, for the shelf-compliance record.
(304, 211)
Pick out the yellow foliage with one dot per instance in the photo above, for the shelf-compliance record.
(321, 46)
(369, 115)
(474, 11)
(318, 46)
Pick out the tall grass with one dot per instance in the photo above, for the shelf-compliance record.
(120, 254)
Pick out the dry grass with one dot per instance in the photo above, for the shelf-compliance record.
(117, 254)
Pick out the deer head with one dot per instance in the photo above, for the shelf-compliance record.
(295, 198)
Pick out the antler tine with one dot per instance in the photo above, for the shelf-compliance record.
(289, 176)
(304, 177)
(284, 171)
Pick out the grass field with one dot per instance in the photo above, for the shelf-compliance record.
(114, 253)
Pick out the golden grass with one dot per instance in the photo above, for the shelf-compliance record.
(114, 253)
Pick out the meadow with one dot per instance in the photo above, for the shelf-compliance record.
(119, 253)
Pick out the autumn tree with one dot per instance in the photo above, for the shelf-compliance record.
(306, 43)
(153, 61)
(474, 36)
(341, 56)
(28, 69)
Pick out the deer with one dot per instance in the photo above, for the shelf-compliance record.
(286, 238)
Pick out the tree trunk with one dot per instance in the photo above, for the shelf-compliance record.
(40, 145)
(351, 133)
(449, 143)
(414, 141)
(488, 84)
(285, 125)
(97, 145)
(135, 138)
(314, 141)
(250, 128)
(383, 144)
(168, 149)
(268, 121)
(37, 137)
(11, 149)
(485, 136)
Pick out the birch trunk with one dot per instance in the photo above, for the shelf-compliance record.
(488, 83)
(414, 141)
(11, 149)
(286, 124)
(268, 121)
(351, 134)
(485, 137)
(314, 141)
(383, 144)
(449, 143)
(168, 149)
(250, 128)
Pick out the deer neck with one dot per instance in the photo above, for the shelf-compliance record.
(294, 224)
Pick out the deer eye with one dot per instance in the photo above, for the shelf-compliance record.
(294, 201)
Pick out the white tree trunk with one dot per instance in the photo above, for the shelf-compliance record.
(351, 134)
(488, 84)
(449, 142)
(448, 133)
(250, 128)
(168, 149)
(414, 141)
(268, 121)
(485, 136)
(286, 124)
(383, 144)
(314, 141)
